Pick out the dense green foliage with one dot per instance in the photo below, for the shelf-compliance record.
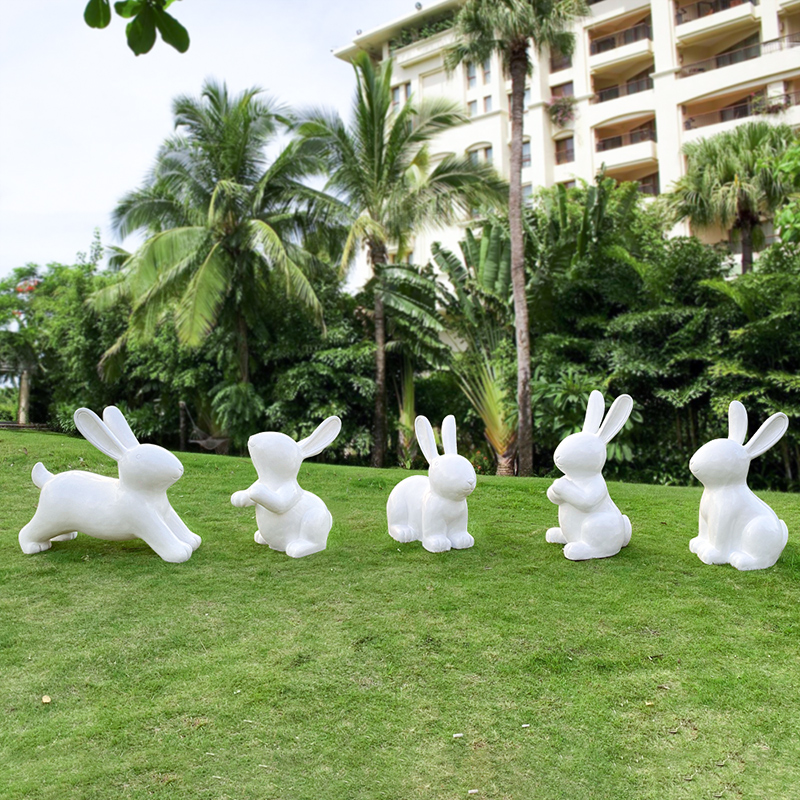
(246, 674)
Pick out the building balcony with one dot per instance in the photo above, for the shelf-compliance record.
(783, 108)
(633, 148)
(789, 4)
(696, 21)
(742, 54)
(621, 47)
(622, 90)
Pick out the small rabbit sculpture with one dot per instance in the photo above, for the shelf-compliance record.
(434, 509)
(590, 524)
(735, 526)
(289, 519)
(135, 506)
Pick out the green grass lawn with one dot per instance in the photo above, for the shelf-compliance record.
(246, 674)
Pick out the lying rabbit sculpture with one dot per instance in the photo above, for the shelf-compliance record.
(133, 507)
(289, 519)
(735, 526)
(591, 525)
(434, 509)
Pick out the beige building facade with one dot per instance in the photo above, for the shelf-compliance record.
(646, 77)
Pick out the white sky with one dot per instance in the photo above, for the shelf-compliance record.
(83, 117)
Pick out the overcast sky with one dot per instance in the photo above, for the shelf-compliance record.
(82, 117)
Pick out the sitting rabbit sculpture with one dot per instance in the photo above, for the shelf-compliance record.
(289, 519)
(434, 509)
(590, 524)
(735, 526)
(135, 506)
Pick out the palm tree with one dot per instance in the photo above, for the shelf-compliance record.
(380, 166)
(731, 181)
(511, 28)
(225, 226)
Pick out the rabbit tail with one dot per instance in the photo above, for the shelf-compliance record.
(41, 475)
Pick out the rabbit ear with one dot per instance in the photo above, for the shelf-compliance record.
(118, 425)
(616, 418)
(595, 409)
(95, 431)
(449, 435)
(737, 422)
(325, 433)
(426, 439)
(767, 435)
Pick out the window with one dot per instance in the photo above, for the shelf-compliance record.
(473, 157)
(487, 154)
(527, 191)
(565, 150)
(487, 70)
(487, 104)
(400, 94)
(568, 184)
(472, 80)
(526, 154)
(563, 90)
(472, 108)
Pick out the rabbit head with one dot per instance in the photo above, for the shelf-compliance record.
(141, 466)
(724, 462)
(451, 475)
(584, 453)
(278, 456)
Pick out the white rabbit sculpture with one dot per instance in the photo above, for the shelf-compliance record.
(289, 518)
(590, 524)
(434, 509)
(135, 506)
(735, 526)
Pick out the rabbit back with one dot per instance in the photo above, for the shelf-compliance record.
(89, 503)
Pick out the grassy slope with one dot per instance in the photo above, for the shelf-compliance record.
(246, 674)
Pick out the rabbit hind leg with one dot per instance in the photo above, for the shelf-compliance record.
(461, 540)
(762, 543)
(555, 536)
(65, 537)
(403, 533)
(36, 536)
(314, 530)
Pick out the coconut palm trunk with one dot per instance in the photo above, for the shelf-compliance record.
(379, 422)
(23, 411)
(518, 68)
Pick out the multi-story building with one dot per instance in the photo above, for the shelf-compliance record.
(646, 77)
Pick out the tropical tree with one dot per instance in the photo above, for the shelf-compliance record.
(732, 182)
(517, 29)
(379, 165)
(226, 229)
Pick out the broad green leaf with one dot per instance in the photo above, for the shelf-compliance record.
(97, 13)
(141, 31)
(172, 32)
(128, 8)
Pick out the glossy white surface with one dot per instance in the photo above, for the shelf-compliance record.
(736, 527)
(434, 509)
(135, 506)
(590, 524)
(289, 518)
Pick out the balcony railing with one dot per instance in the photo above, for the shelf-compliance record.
(707, 7)
(740, 55)
(559, 61)
(622, 90)
(565, 156)
(650, 185)
(621, 38)
(758, 105)
(624, 139)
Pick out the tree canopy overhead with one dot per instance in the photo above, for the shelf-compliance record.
(147, 17)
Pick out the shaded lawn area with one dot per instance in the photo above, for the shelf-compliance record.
(246, 674)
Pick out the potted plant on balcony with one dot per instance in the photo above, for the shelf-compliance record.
(773, 104)
(562, 110)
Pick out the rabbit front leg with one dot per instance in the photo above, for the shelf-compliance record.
(155, 532)
(179, 528)
(705, 544)
(242, 498)
(584, 498)
(278, 502)
(457, 532)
